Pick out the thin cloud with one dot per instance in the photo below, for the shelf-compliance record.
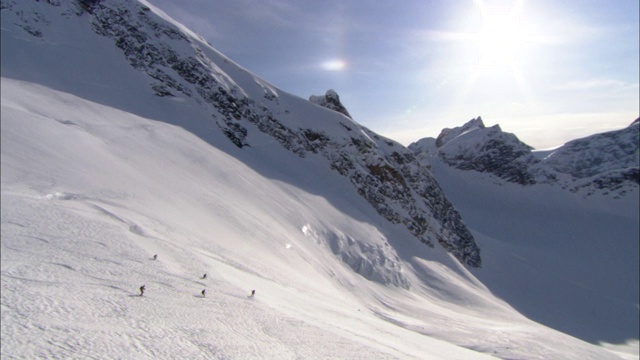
(598, 84)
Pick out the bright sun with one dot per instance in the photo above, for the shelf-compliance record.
(501, 39)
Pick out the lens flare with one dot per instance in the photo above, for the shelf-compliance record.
(334, 65)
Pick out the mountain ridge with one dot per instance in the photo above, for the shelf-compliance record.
(601, 163)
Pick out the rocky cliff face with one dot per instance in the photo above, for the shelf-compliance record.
(606, 163)
(178, 64)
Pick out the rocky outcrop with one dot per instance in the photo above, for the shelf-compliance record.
(330, 100)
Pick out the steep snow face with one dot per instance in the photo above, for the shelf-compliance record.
(194, 86)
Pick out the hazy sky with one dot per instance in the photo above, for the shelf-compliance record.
(548, 71)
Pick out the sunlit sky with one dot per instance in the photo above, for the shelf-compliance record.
(548, 71)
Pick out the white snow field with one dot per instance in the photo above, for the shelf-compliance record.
(98, 175)
(90, 193)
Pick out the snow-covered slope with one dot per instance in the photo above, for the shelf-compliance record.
(90, 193)
(124, 135)
(199, 89)
(567, 236)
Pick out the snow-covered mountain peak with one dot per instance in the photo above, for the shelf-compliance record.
(485, 149)
(447, 134)
(602, 163)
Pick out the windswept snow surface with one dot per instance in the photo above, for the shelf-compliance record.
(90, 193)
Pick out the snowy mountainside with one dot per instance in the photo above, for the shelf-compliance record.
(180, 69)
(606, 163)
(573, 226)
(90, 193)
(125, 135)
(564, 260)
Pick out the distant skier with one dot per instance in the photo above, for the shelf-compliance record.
(253, 292)
(203, 292)
(142, 290)
(155, 257)
(204, 276)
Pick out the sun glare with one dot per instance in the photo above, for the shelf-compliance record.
(497, 52)
(334, 65)
(501, 39)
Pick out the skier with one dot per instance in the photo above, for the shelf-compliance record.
(142, 290)
(253, 292)
(203, 292)
(204, 276)
(155, 257)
